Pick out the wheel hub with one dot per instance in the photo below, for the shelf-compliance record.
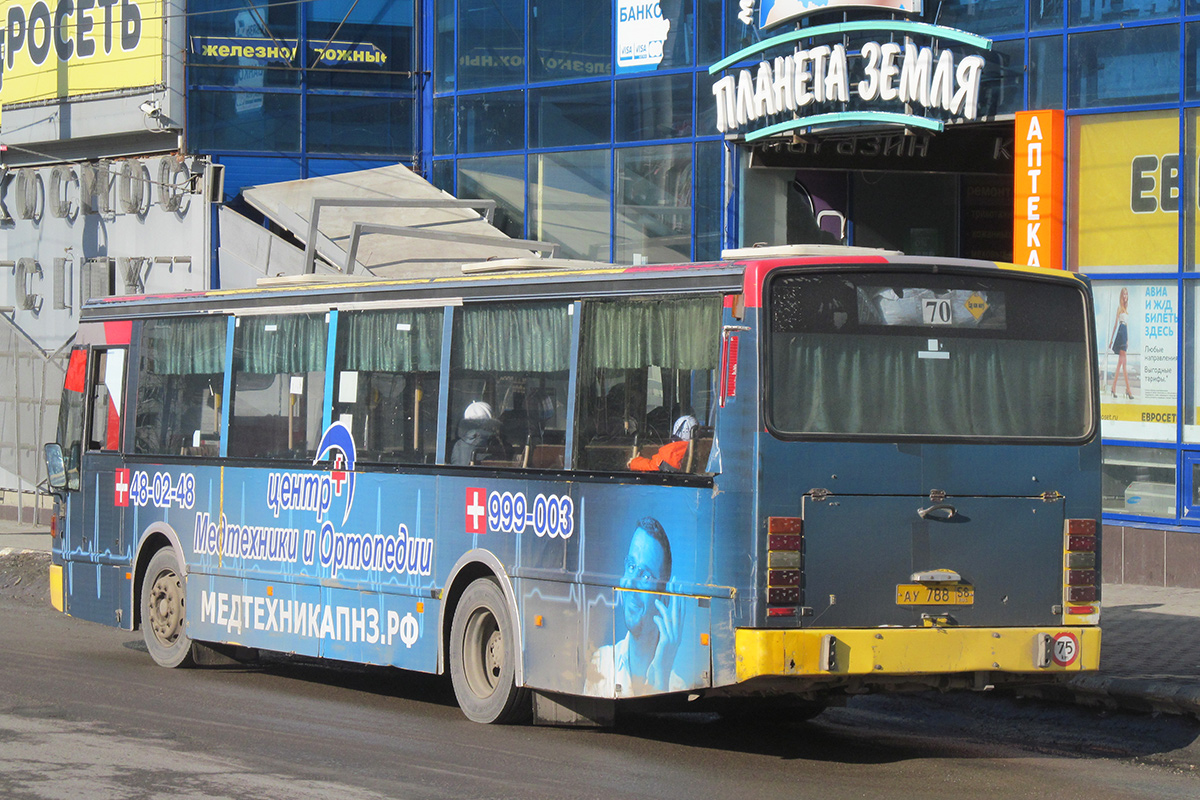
(483, 651)
(495, 656)
(166, 607)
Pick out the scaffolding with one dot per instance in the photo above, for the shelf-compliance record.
(29, 401)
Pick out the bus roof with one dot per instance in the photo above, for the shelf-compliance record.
(745, 268)
(295, 294)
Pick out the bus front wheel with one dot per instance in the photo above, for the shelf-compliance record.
(483, 656)
(164, 611)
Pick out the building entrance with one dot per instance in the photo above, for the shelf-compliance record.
(944, 195)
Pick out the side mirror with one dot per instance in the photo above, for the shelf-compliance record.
(56, 469)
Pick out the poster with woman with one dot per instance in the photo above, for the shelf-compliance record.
(1137, 327)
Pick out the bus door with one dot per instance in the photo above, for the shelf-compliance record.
(90, 432)
(71, 419)
(103, 463)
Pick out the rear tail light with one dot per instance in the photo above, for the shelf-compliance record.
(1081, 594)
(1081, 560)
(785, 565)
(783, 595)
(783, 541)
(1083, 527)
(1083, 544)
(784, 577)
(1081, 577)
(785, 525)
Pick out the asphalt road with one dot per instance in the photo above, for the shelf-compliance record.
(84, 713)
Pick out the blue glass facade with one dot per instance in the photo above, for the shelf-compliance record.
(548, 86)
(532, 108)
(280, 91)
(538, 105)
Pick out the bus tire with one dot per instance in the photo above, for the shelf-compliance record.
(163, 609)
(483, 656)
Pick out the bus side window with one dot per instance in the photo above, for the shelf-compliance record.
(509, 369)
(180, 379)
(278, 386)
(646, 377)
(107, 399)
(387, 367)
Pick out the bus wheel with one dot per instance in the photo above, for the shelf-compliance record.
(163, 611)
(483, 656)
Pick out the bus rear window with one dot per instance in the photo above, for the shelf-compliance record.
(927, 356)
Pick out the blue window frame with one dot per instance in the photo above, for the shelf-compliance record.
(571, 115)
(491, 43)
(317, 77)
(491, 122)
(1123, 66)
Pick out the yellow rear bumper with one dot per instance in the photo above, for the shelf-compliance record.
(56, 587)
(910, 651)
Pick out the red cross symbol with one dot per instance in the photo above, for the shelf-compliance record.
(338, 476)
(476, 510)
(121, 489)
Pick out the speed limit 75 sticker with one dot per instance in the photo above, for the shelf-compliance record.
(1066, 649)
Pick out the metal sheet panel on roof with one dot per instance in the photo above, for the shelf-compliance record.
(290, 205)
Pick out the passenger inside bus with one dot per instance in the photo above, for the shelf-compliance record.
(671, 456)
(619, 412)
(478, 437)
(524, 423)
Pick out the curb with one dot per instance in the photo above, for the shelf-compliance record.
(1179, 696)
(1143, 695)
(13, 551)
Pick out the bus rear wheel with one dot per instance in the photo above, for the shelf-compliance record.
(163, 610)
(483, 656)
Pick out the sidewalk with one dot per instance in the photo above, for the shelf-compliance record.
(1150, 655)
(23, 537)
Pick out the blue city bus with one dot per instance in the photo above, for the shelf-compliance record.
(764, 483)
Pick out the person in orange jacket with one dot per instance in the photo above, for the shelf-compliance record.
(669, 457)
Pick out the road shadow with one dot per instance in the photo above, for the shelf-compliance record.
(1139, 641)
(813, 740)
(882, 729)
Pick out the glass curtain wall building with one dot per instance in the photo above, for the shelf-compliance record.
(548, 107)
(536, 106)
(1130, 93)
(611, 156)
(593, 125)
(280, 91)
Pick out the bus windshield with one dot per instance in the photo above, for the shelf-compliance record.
(928, 356)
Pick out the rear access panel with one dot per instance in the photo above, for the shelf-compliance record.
(888, 560)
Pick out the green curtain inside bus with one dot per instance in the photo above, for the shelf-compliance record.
(186, 346)
(408, 340)
(830, 383)
(679, 333)
(179, 378)
(269, 345)
(504, 338)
